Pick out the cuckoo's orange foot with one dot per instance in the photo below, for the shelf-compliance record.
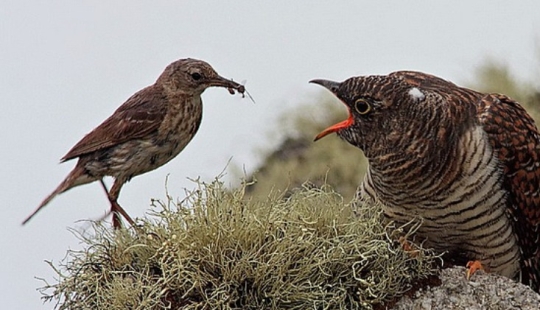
(408, 246)
(472, 267)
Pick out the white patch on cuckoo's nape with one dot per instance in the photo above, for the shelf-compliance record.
(416, 94)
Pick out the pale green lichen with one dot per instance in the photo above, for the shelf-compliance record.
(217, 249)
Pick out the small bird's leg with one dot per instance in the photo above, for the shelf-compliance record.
(115, 218)
(114, 193)
(116, 209)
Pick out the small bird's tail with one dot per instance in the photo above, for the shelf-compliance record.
(76, 177)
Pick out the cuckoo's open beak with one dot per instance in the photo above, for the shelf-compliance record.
(333, 87)
(337, 127)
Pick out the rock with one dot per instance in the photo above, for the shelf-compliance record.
(484, 291)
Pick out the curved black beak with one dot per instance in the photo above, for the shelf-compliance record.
(333, 87)
(330, 85)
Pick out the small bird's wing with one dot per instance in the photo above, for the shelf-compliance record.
(140, 115)
(515, 138)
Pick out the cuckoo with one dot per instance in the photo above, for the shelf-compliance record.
(467, 163)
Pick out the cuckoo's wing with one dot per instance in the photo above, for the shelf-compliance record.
(140, 115)
(515, 138)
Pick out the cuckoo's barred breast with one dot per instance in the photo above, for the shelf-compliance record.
(465, 162)
(462, 209)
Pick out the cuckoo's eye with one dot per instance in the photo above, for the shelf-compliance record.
(362, 106)
(196, 76)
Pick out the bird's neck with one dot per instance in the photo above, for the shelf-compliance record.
(171, 87)
(408, 168)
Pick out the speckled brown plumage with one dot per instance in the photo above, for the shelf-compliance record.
(465, 162)
(145, 132)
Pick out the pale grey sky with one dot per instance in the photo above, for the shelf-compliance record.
(67, 65)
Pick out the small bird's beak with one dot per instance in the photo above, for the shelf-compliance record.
(220, 81)
(333, 87)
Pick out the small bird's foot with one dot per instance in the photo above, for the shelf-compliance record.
(472, 267)
(116, 218)
(117, 222)
(116, 211)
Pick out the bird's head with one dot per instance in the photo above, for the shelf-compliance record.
(193, 76)
(388, 114)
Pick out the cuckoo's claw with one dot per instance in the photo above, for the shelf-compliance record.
(472, 267)
(408, 247)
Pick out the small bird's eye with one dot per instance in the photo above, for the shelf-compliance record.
(362, 106)
(196, 76)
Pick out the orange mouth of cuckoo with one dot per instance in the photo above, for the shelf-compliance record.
(337, 127)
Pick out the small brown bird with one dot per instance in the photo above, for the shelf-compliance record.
(466, 163)
(144, 133)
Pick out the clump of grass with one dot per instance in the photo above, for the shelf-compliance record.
(217, 249)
